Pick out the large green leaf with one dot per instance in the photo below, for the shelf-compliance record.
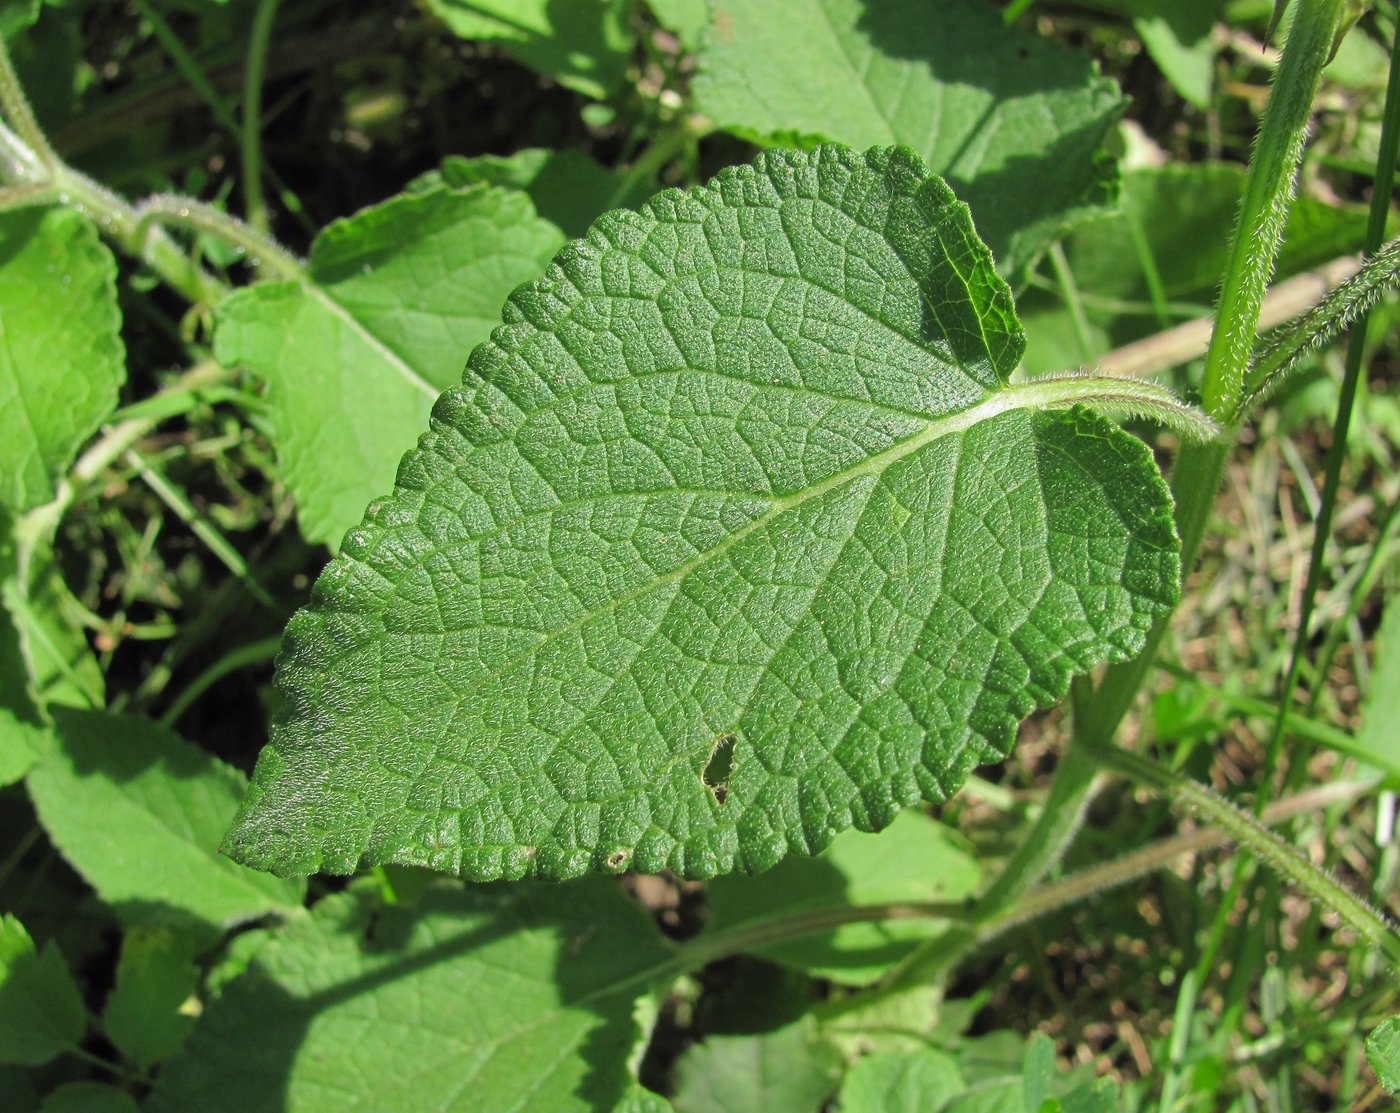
(138, 812)
(734, 538)
(515, 1000)
(395, 298)
(61, 353)
(1013, 121)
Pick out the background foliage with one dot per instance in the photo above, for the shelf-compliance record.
(195, 409)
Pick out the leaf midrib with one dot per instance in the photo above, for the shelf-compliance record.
(1007, 399)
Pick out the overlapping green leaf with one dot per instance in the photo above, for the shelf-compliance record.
(1013, 121)
(567, 187)
(740, 479)
(516, 999)
(155, 979)
(138, 812)
(1383, 1053)
(792, 1068)
(57, 380)
(911, 1080)
(395, 298)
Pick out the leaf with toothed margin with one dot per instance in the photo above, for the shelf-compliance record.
(740, 478)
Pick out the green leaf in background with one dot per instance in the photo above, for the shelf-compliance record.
(89, 1097)
(1177, 33)
(733, 538)
(915, 1080)
(138, 812)
(1013, 121)
(16, 15)
(568, 189)
(57, 381)
(794, 1068)
(59, 664)
(915, 859)
(687, 18)
(41, 1011)
(21, 724)
(1380, 720)
(512, 999)
(155, 977)
(395, 298)
(1383, 1053)
(583, 44)
(1175, 220)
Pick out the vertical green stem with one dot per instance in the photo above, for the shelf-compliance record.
(1341, 424)
(1199, 467)
(1263, 209)
(15, 107)
(255, 204)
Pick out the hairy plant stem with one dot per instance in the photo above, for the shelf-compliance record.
(35, 174)
(1040, 901)
(113, 443)
(1341, 424)
(1099, 710)
(1286, 859)
(1268, 189)
(15, 107)
(185, 212)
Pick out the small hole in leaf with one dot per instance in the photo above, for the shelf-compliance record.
(618, 859)
(718, 766)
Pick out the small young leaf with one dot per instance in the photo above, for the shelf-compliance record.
(1383, 1053)
(137, 811)
(744, 463)
(469, 1001)
(914, 859)
(395, 298)
(57, 381)
(1011, 119)
(155, 977)
(41, 1011)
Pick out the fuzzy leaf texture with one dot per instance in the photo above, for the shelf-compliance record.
(733, 537)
